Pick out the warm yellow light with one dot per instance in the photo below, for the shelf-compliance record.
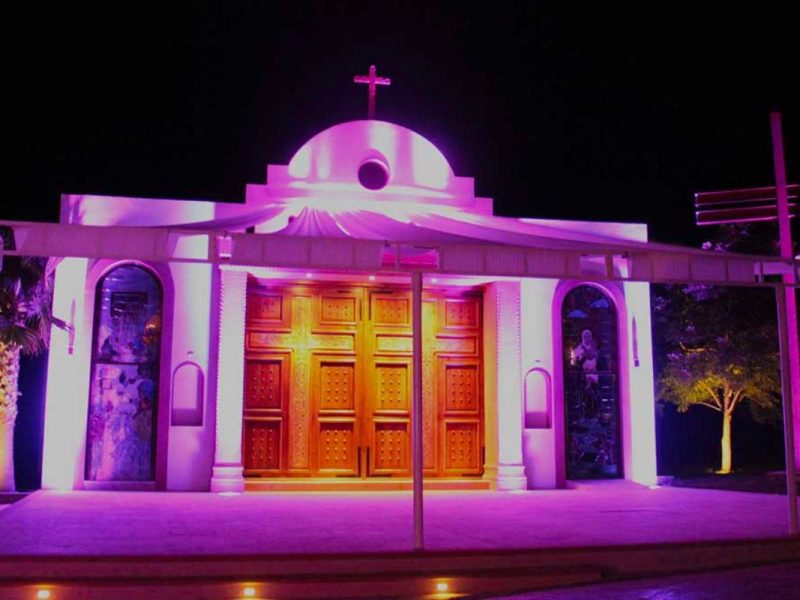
(42, 594)
(249, 592)
(441, 586)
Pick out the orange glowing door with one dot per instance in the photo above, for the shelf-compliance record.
(452, 384)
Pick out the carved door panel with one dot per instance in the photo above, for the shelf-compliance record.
(267, 384)
(387, 414)
(460, 385)
(336, 382)
(452, 384)
(302, 382)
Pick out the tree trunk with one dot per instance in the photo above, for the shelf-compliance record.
(725, 466)
(9, 391)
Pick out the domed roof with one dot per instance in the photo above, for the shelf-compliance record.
(374, 154)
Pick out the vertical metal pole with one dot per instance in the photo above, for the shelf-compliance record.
(790, 295)
(780, 185)
(416, 408)
(788, 429)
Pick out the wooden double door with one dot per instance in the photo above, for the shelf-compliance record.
(328, 382)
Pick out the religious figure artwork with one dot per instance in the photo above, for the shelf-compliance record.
(124, 389)
(590, 387)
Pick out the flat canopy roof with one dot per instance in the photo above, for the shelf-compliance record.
(522, 255)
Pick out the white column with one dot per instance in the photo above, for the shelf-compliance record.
(68, 374)
(638, 395)
(227, 474)
(508, 385)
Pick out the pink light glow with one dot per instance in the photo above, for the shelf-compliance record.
(350, 188)
(320, 185)
(504, 297)
(541, 446)
(429, 167)
(190, 448)
(227, 473)
(333, 156)
(641, 402)
(300, 166)
(67, 381)
(636, 383)
(110, 210)
(383, 143)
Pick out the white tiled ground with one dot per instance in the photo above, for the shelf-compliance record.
(144, 523)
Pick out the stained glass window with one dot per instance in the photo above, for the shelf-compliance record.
(124, 386)
(591, 396)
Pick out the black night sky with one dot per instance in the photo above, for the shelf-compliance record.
(588, 111)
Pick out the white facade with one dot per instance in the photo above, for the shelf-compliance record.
(318, 195)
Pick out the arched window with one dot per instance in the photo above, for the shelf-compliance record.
(591, 389)
(123, 399)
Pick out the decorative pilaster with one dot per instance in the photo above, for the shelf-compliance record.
(227, 472)
(510, 469)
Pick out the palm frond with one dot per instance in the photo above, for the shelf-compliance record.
(25, 338)
(26, 303)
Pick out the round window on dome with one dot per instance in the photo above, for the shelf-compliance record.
(373, 174)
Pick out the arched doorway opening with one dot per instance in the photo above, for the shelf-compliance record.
(126, 358)
(591, 384)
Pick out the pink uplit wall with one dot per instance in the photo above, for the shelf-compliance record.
(543, 453)
(191, 446)
(640, 457)
(227, 474)
(183, 453)
(504, 380)
(603, 229)
(67, 380)
(146, 212)
(326, 167)
(542, 346)
(318, 194)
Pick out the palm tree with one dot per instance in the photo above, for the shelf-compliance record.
(25, 321)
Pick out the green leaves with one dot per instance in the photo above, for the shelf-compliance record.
(716, 347)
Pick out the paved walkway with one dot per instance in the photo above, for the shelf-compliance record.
(779, 582)
(148, 523)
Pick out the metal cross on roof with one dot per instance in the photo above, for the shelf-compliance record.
(372, 80)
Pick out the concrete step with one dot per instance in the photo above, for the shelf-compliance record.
(438, 574)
